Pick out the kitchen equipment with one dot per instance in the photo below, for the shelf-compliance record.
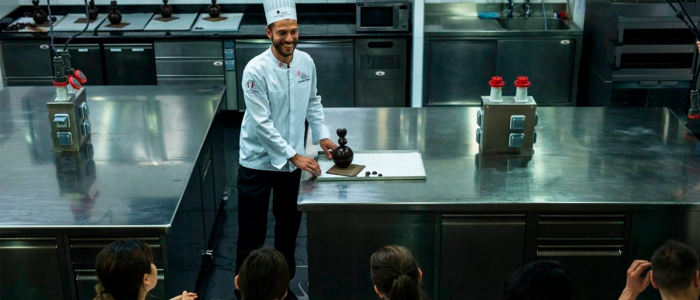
(129, 64)
(115, 17)
(136, 22)
(70, 23)
(188, 62)
(231, 23)
(87, 58)
(392, 164)
(166, 11)
(182, 23)
(382, 17)
(93, 12)
(380, 72)
(507, 124)
(26, 63)
(214, 9)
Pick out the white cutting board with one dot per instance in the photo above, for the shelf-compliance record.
(230, 24)
(136, 22)
(30, 20)
(392, 164)
(184, 22)
(68, 23)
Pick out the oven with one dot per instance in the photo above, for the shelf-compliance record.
(374, 16)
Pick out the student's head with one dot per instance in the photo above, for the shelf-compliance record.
(125, 270)
(541, 280)
(395, 274)
(263, 276)
(284, 35)
(676, 270)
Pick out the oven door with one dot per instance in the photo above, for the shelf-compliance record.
(377, 17)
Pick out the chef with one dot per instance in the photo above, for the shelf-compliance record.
(279, 87)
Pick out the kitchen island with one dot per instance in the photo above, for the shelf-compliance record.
(605, 186)
(153, 169)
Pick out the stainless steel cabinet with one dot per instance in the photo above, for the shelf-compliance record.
(334, 68)
(129, 64)
(26, 63)
(459, 70)
(30, 267)
(189, 62)
(549, 63)
(380, 71)
(334, 60)
(593, 272)
(479, 242)
(87, 58)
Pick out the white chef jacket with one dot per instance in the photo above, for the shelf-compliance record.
(278, 99)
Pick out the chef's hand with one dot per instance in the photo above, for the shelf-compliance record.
(328, 146)
(185, 296)
(307, 164)
(636, 284)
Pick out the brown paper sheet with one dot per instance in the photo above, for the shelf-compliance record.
(165, 19)
(217, 19)
(120, 25)
(350, 171)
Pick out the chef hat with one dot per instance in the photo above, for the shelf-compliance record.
(277, 10)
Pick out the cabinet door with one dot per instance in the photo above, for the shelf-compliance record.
(245, 51)
(458, 71)
(549, 63)
(593, 272)
(31, 59)
(130, 64)
(88, 58)
(30, 269)
(479, 242)
(334, 70)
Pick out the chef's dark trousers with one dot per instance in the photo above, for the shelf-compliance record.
(254, 188)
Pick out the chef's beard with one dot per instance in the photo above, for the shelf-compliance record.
(280, 48)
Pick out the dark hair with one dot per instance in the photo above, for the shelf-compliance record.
(674, 265)
(264, 275)
(271, 26)
(120, 268)
(395, 273)
(540, 280)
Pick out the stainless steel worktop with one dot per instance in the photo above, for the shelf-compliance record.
(145, 141)
(451, 24)
(606, 156)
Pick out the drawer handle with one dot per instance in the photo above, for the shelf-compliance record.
(565, 42)
(115, 50)
(83, 50)
(137, 50)
(218, 63)
(44, 47)
(380, 73)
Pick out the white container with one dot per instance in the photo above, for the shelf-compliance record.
(496, 85)
(61, 94)
(521, 86)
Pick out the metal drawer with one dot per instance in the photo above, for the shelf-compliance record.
(191, 67)
(85, 250)
(574, 226)
(191, 80)
(167, 49)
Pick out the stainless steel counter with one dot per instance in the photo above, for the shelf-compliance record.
(145, 140)
(605, 156)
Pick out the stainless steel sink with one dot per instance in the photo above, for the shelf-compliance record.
(469, 23)
(532, 24)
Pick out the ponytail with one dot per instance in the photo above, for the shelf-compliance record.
(102, 294)
(404, 288)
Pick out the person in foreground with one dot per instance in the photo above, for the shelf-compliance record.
(264, 275)
(125, 271)
(675, 272)
(540, 280)
(396, 275)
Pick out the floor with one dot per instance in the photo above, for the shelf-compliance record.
(218, 283)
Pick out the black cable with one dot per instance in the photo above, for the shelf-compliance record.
(87, 25)
(53, 47)
(694, 29)
(679, 15)
(690, 19)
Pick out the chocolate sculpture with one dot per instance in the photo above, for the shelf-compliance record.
(342, 155)
(39, 15)
(115, 17)
(92, 11)
(214, 9)
(166, 11)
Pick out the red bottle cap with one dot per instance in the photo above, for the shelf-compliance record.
(80, 76)
(60, 84)
(74, 82)
(693, 117)
(497, 81)
(522, 82)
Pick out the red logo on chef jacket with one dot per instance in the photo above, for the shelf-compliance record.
(250, 84)
(298, 73)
